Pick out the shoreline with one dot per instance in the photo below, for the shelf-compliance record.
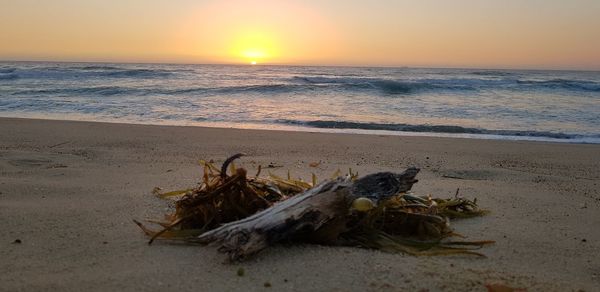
(69, 190)
(291, 128)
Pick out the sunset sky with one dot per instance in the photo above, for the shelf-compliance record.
(556, 34)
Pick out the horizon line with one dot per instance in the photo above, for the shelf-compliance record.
(299, 65)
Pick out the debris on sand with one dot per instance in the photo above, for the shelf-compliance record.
(245, 214)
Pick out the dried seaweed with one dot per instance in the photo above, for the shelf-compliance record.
(416, 225)
(405, 222)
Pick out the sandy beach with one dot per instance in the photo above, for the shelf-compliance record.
(69, 192)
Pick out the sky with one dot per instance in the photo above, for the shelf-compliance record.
(531, 34)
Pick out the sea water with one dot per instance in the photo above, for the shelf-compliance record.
(561, 106)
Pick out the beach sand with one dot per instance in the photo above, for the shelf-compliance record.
(69, 192)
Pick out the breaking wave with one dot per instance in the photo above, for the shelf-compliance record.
(447, 129)
(388, 86)
(453, 84)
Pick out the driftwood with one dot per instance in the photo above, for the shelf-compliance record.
(244, 215)
(319, 214)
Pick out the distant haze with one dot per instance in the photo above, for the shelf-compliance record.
(536, 34)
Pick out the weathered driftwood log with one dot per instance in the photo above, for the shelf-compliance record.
(320, 213)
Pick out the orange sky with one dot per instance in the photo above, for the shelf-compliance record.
(553, 34)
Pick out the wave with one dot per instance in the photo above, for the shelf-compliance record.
(119, 90)
(492, 73)
(7, 70)
(8, 76)
(138, 73)
(97, 67)
(99, 90)
(446, 129)
(578, 85)
(267, 88)
(388, 86)
(83, 73)
(263, 88)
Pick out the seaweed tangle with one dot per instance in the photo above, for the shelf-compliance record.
(400, 222)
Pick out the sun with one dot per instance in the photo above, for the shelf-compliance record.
(253, 47)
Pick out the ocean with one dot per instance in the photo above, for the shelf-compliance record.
(559, 106)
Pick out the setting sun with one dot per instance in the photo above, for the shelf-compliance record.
(274, 32)
(253, 46)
